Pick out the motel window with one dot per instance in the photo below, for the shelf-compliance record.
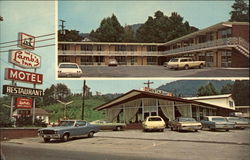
(226, 59)
(99, 48)
(65, 47)
(151, 48)
(87, 47)
(120, 48)
(226, 33)
(152, 60)
(209, 59)
(64, 59)
(131, 48)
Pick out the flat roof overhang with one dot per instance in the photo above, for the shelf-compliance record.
(135, 94)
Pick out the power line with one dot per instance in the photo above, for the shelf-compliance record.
(35, 47)
(35, 37)
(36, 41)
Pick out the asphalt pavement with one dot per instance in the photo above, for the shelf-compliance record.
(160, 71)
(136, 145)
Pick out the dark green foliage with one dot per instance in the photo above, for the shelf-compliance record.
(207, 90)
(227, 89)
(73, 110)
(70, 36)
(109, 30)
(240, 11)
(5, 112)
(162, 28)
(240, 93)
(187, 88)
(56, 92)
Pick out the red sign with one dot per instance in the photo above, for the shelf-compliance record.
(24, 103)
(24, 59)
(18, 75)
(26, 41)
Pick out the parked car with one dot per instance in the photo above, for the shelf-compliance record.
(216, 123)
(239, 122)
(185, 63)
(183, 123)
(154, 123)
(113, 62)
(105, 125)
(68, 129)
(69, 70)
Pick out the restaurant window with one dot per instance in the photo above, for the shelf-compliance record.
(209, 59)
(226, 59)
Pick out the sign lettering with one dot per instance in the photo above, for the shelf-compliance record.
(24, 59)
(18, 75)
(22, 91)
(24, 103)
(157, 91)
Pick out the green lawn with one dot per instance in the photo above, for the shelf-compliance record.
(73, 110)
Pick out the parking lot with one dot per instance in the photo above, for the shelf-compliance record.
(160, 71)
(135, 144)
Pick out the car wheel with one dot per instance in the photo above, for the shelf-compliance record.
(91, 134)
(186, 67)
(196, 130)
(65, 137)
(227, 130)
(201, 66)
(171, 128)
(145, 130)
(46, 140)
(118, 128)
(162, 130)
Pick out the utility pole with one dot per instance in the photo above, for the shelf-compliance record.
(148, 83)
(83, 98)
(62, 28)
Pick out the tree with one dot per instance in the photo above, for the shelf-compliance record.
(109, 30)
(70, 36)
(226, 89)
(240, 11)
(240, 92)
(162, 28)
(207, 90)
(129, 34)
(56, 92)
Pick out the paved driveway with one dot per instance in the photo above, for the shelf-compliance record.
(160, 71)
(136, 145)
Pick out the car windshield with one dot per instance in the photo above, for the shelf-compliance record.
(234, 119)
(68, 66)
(219, 119)
(244, 120)
(66, 123)
(174, 60)
(154, 119)
(187, 120)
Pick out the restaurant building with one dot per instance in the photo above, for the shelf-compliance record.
(225, 44)
(134, 106)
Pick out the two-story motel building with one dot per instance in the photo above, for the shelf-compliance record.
(225, 44)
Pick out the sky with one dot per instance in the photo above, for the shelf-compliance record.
(39, 18)
(87, 15)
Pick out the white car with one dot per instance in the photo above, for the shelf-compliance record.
(154, 123)
(113, 62)
(69, 70)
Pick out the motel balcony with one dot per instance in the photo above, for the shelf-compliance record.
(109, 53)
(237, 42)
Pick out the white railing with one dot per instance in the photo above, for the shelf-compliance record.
(110, 53)
(231, 42)
(220, 43)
